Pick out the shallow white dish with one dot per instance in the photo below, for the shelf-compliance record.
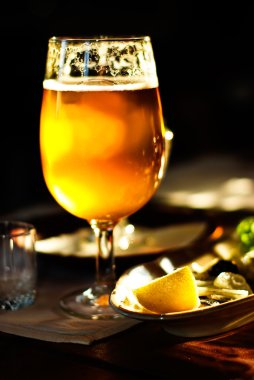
(205, 321)
(141, 240)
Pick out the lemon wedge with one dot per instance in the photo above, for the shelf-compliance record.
(176, 291)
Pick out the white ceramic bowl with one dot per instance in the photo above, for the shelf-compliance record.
(201, 322)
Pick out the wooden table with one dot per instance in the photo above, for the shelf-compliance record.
(143, 351)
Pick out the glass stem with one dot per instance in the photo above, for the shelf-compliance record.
(105, 260)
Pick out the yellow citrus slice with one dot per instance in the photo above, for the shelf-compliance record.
(176, 291)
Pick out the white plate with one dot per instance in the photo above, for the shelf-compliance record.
(129, 240)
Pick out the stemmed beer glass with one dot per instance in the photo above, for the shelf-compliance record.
(102, 143)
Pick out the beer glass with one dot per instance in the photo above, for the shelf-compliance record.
(102, 144)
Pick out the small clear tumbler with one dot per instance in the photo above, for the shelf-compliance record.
(18, 265)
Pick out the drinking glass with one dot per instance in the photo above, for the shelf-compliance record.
(18, 265)
(102, 144)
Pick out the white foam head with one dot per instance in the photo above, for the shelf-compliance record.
(127, 63)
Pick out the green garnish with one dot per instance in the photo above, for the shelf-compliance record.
(245, 232)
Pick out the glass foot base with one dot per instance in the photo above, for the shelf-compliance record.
(92, 303)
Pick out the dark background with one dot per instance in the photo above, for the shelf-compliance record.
(204, 54)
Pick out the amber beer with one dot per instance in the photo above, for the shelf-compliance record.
(102, 147)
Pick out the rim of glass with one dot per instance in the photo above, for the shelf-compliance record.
(7, 228)
(100, 38)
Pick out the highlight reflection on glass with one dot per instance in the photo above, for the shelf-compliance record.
(102, 141)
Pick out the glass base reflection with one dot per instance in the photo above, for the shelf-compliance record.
(92, 303)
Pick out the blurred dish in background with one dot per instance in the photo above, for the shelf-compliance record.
(209, 182)
(129, 240)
